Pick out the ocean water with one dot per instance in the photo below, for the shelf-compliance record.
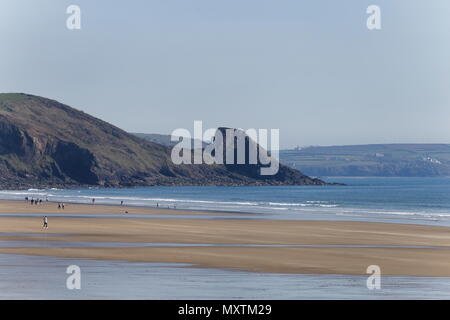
(31, 277)
(403, 200)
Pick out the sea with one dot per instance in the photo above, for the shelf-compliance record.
(397, 200)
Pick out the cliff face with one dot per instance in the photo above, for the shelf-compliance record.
(46, 143)
(261, 159)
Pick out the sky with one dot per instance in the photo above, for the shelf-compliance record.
(311, 69)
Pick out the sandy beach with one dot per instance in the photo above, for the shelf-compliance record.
(399, 249)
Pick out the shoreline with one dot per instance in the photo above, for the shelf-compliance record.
(127, 207)
(74, 207)
(137, 209)
(430, 258)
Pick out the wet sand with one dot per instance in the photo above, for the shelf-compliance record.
(103, 279)
(333, 260)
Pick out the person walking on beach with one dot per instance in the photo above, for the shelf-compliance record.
(93, 200)
(45, 222)
(62, 206)
(59, 205)
(121, 203)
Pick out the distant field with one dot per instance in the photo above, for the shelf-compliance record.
(383, 160)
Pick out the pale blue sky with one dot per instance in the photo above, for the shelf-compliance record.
(310, 68)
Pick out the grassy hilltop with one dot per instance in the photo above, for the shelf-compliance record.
(382, 160)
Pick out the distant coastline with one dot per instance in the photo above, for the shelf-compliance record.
(373, 160)
(370, 160)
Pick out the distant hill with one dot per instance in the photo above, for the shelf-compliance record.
(164, 139)
(379, 160)
(46, 143)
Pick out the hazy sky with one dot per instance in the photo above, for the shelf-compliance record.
(310, 68)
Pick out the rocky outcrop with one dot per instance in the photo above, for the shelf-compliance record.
(46, 143)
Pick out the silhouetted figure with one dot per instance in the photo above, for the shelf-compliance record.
(45, 222)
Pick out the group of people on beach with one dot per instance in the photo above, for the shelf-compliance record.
(35, 201)
(168, 207)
